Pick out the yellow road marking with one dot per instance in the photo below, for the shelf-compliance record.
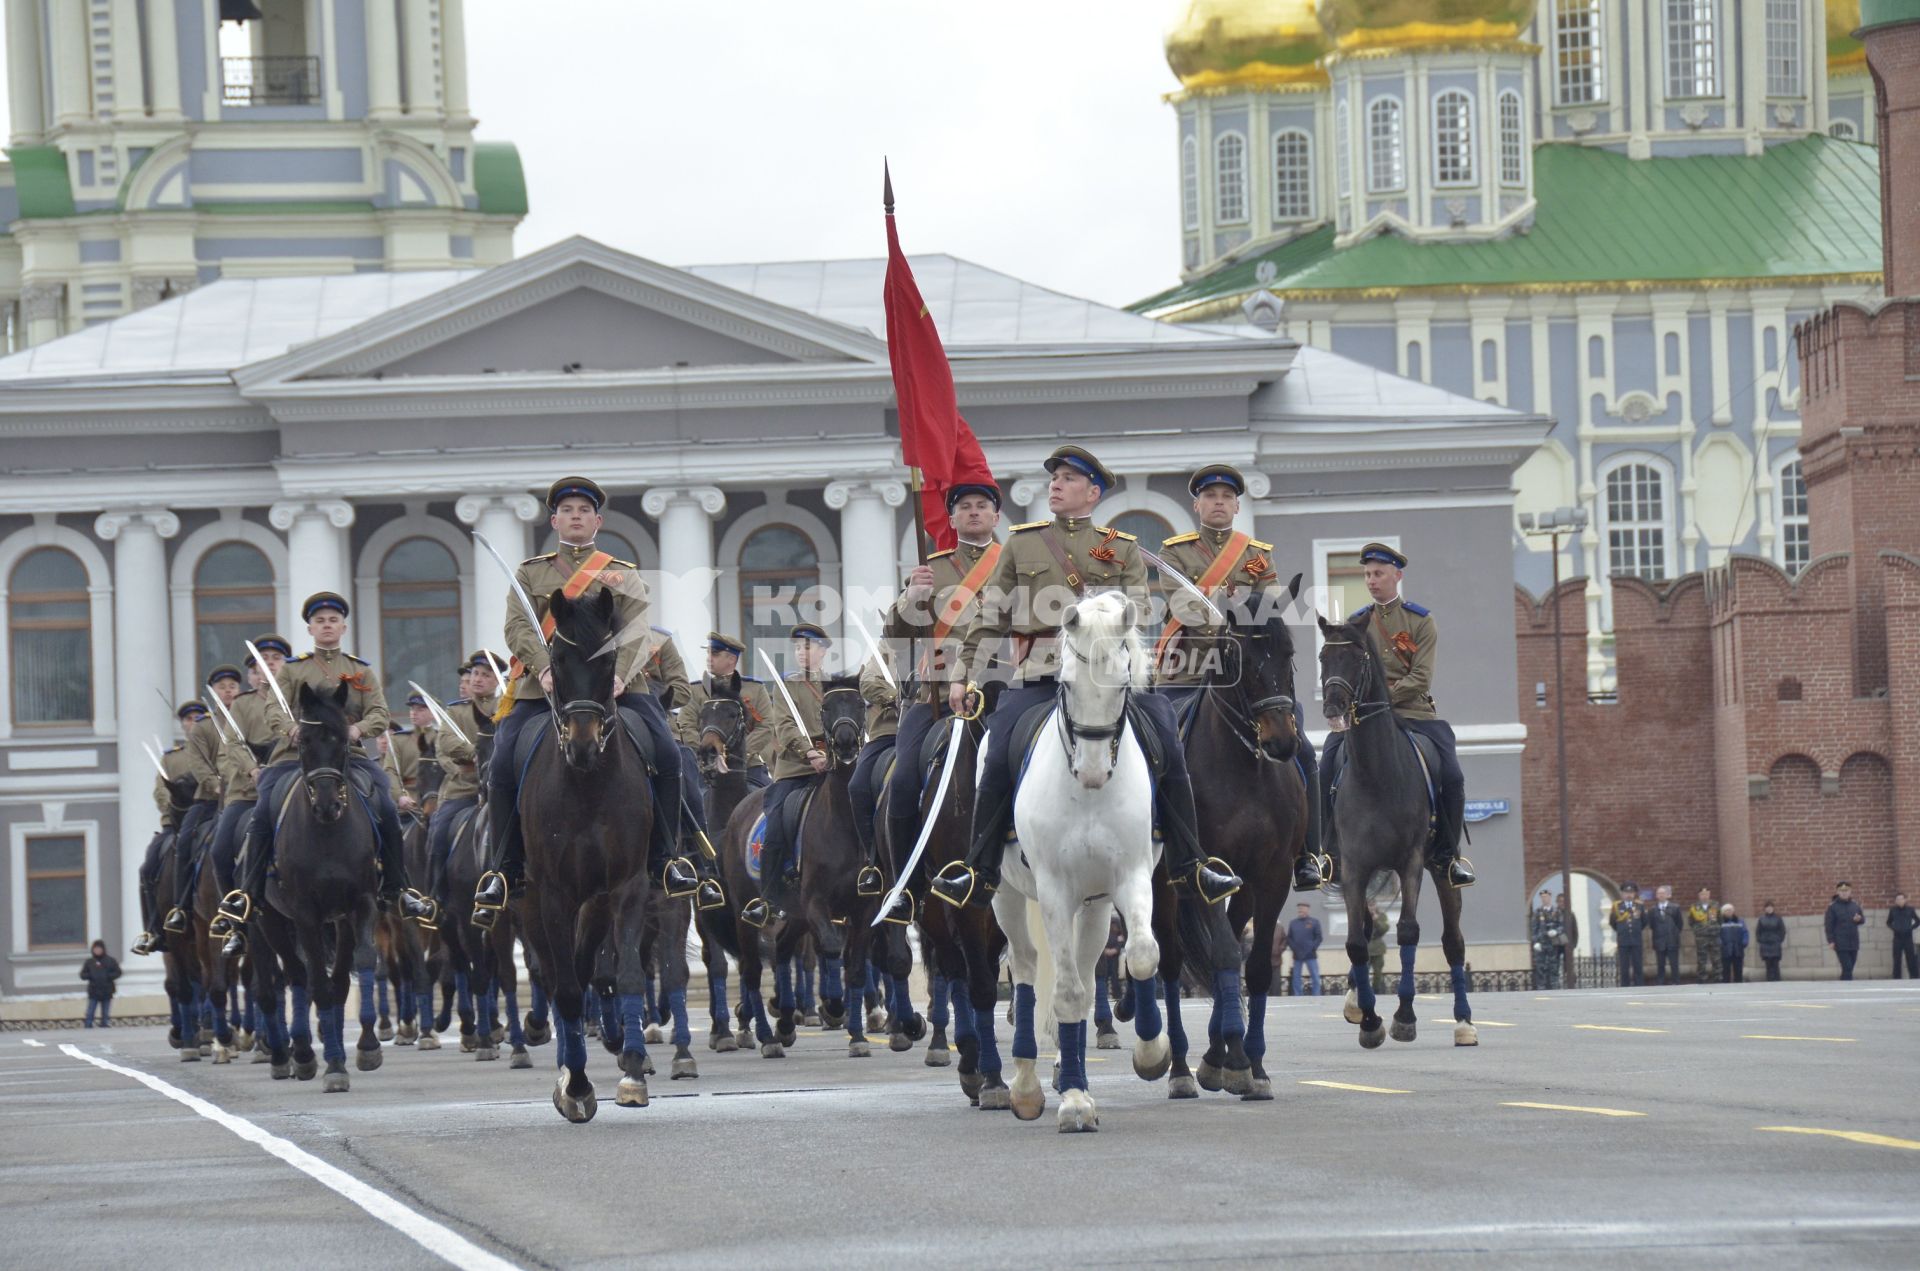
(1342, 1085)
(1851, 1136)
(1489, 1023)
(1569, 1107)
(1778, 1037)
(1617, 1028)
(1807, 1006)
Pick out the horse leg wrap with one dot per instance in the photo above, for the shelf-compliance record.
(1024, 1044)
(633, 1023)
(1256, 1044)
(1361, 981)
(1176, 1022)
(1461, 1013)
(1407, 952)
(1102, 1003)
(830, 986)
(1228, 1021)
(986, 1028)
(367, 1010)
(717, 999)
(677, 1008)
(1073, 1056)
(1146, 1008)
(783, 985)
(937, 1012)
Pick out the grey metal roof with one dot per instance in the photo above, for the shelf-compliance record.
(1326, 385)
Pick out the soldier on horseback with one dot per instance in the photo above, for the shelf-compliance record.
(240, 762)
(666, 677)
(1405, 637)
(723, 660)
(459, 760)
(880, 690)
(173, 776)
(578, 570)
(323, 670)
(1046, 566)
(802, 756)
(202, 750)
(1236, 570)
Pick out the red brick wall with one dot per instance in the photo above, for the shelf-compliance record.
(1810, 834)
(1893, 54)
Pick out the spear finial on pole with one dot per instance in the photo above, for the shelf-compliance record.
(886, 186)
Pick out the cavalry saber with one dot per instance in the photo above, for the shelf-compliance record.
(1179, 576)
(526, 603)
(793, 712)
(439, 711)
(239, 734)
(947, 766)
(879, 654)
(155, 760)
(273, 682)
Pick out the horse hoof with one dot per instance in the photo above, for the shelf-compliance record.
(1107, 1039)
(898, 1042)
(1351, 1010)
(538, 1031)
(429, 1041)
(260, 1057)
(384, 1032)
(772, 1050)
(242, 1039)
(484, 1053)
(368, 1060)
(306, 1071)
(1182, 1087)
(787, 1036)
(631, 1094)
(877, 1022)
(520, 1058)
(813, 1019)
(1210, 1077)
(1077, 1114)
(1152, 1059)
(469, 1043)
(723, 1044)
(580, 1110)
(684, 1066)
(971, 1084)
(336, 1083)
(402, 1039)
(1027, 1105)
(206, 1050)
(281, 1071)
(1466, 1035)
(1238, 1081)
(1370, 1038)
(1123, 1009)
(1402, 1032)
(938, 1057)
(499, 1034)
(189, 1054)
(742, 1039)
(653, 1035)
(859, 1050)
(1259, 1090)
(221, 1055)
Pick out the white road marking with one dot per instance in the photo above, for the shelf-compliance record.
(29, 1041)
(442, 1242)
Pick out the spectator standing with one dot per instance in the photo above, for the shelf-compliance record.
(1549, 945)
(1303, 941)
(1843, 922)
(1377, 946)
(1901, 920)
(1666, 921)
(1770, 936)
(1733, 947)
(99, 971)
(1569, 921)
(1704, 918)
(1543, 904)
(1628, 920)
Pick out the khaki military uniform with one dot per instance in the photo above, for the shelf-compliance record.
(176, 764)
(239, 764)
(906, 620)
(790, 759)
(323, 670)
(755, 696)
(541, 576)
(1405, 640)
(460, 759)
(1251, 572)
(882, 699)
(1030, 591)
(404, 749)
(202, 749)
(666, 672)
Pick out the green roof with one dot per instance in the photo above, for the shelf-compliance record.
(498, 179)
(1875, 13)
(40, 175)
(1805, 209)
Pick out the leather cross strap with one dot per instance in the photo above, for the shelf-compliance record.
(1215, 574)
(575, 587)
(962, 596)
(1065, 561)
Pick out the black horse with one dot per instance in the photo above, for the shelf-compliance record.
(721, 753)
(321, 897)
(1382, 821)
(586, 811)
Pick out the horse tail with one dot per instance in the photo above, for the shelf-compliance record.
(723, 932)
(1206, 938)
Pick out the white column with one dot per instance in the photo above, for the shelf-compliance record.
(316, 552)
(423, 89)
(23, 72)
(72, 84)
(142, 680)
(453, 56)
(867, 538)
(503, 518)
(129, 77)
(1258, 487)
(163, 59)
(383, 60)
(684, 602)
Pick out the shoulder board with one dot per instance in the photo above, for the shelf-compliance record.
(535, 559)
(1258, 546)
(1180, 538)
(1107, 529)
(301, 657)
(356, 661)
(627, 564)
(458, 701)
(1358, 614)
(1030, 525)
(660, 631)
(175, 749)
(937, 555)
(749, 679)
(248, 692)
(400, 730)
(1416, 610)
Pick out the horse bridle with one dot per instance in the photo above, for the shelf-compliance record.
(1355, 692)
(1071, 732)
(582, 706)
(737, 734)
(1254, 709)
(307, 776)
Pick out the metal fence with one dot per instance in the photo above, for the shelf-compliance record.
(270, 81)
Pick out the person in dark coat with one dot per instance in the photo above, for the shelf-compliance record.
(1303, 941)
(1733, 947)
(1770, 936)
(1901, 920)
(1843, 923)
(99, 971)
(1665, 921)
(1628, 920)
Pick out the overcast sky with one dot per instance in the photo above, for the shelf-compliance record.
(1027, 135)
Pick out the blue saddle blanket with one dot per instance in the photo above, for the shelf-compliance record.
(1424, 750)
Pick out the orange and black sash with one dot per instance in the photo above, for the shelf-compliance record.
(1216, 573)
(575, 587)
(957, 601)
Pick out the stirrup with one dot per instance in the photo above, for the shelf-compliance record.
(1464, 877)
(869, 882)
(220, 926)
(175, 922)
(681, 882)
(900, 912)
(236, 944)
(145, 944)
(489, 882)
(709, 895)
(237, 906)
(430, 920)
(483, 916)
(960, 885)
(1191, 879)
(1312, 871)
(755, 913)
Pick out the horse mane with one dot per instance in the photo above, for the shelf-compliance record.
(588, 625)
(1112, 611)
(326, 710)
(1358, 636)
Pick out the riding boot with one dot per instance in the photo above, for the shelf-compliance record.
(506, 872)
(1443, 855)
(710, 893)
(974, 881)
(393, 868)
(672, 871)
(869, 882)
(1313, 868)
(1180, 828)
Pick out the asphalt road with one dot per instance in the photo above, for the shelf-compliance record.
(1704, 1126)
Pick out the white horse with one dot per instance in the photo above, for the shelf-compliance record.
(1084, 818)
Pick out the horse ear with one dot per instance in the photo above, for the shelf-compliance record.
(1133, 612)
(558, 605)
(733, 682)
(340, 694)
(604, 603)
(1071, 618)
(1325, 629)
(306, 699)
(1293, 588)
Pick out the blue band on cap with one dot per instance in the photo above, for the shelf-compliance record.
(1382, 558)
(1082, 465)
(284, 650)
(1216, 478)
(580, 490)
(338, 606)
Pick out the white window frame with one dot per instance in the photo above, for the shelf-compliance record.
(1224, 171)
(1579, 20)
(52, 824)
(366, 630)
(1190, 182)
(1301, 172)
(1785, 39)
(1513, 137)
(1784, 520)
(1463, 149)
(1843, 130)
(1693, 60)
(1343, 147)
(1323, 550)
(1388, 144)
(45, 533)
(1664, 522)
(230, 528)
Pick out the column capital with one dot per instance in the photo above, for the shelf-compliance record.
(710, 499)
(1258, 484)
(1027, 489)
(471, 507)
(338, 512)
(109, 524)
(839, 493)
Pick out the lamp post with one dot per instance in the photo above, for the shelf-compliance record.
(1563, 520)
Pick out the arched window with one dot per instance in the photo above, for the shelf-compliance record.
(1343, 147)
(1844, 130)
(1190, 183)
(778, 567)
(1636, 503)
(1579, 35)
(1513, 140)
(51, 639)
(1796, 538)
(1230, 178)
(1292, 176)
(1386, 147)
(1693, 54)
(1783, 48)
(1150, 528)
(419, 615)
(1453, 144)
(232, 603)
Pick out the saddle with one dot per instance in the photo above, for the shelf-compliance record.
(793, 816)
(1424, 749)
(361, 782)
(631, 726)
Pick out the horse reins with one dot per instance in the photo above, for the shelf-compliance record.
(1355, 716)
(1071, 732)
(1254, 709)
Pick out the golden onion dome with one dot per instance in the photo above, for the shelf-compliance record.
(1363, 25)
(1844, 53)
(1222, 44)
